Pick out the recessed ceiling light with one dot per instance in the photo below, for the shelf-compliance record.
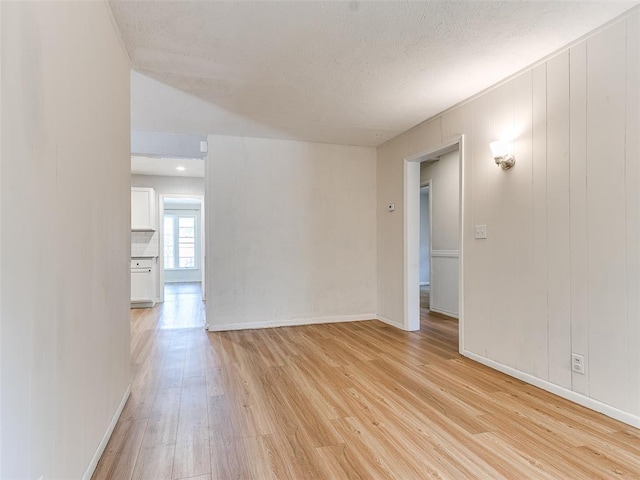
(180, 169)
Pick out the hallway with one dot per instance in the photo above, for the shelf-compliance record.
(351, 400)
(182, 307)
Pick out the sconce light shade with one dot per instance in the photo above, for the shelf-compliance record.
(503, 154)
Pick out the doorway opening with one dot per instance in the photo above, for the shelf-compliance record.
(172, 248)
(182, 259)
(425, 249)
(182, 244)
(433, 235)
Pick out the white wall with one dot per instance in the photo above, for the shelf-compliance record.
(170, 185)
(444, 193)
(291, 232)
(65, 284)
(424, 236)
(166, 145)
(444, 178)
(559, 271)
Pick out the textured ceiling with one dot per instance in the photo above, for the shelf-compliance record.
(356, 73)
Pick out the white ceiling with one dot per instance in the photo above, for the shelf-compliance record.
(352, 72)
(167, 167)
(182, 201)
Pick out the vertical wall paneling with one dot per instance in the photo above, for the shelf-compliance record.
(578, 207)
(477, 262)
(501, 192)
(558, 221)
(521, 200)
(411, 203)
(452, 124)
(424, 237)
(539, 221)
(606, 228)
(445, 233)
(424, 136)
(632, 167)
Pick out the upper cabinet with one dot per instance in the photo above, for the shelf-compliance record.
(143, 209)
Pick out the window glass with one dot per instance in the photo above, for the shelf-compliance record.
(180, 241)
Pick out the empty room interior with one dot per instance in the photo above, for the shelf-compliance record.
(269, 240)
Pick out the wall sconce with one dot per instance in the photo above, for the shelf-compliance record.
(503, 154)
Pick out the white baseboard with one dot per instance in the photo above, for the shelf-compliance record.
(290, 323)
(393, 323)
(443, 312)
(107, 435)
(578, 398)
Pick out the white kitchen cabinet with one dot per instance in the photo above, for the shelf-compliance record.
(143, 277)
(143, 209)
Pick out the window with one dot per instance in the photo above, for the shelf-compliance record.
(180, 246)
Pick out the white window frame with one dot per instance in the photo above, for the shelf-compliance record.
(176, 215)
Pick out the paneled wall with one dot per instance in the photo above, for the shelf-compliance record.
(444, 178)
(424, 237)
(559, 271)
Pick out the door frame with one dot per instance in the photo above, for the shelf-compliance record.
(161, 198)
(411, 320)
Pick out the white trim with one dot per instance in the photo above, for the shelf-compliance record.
(107, 435)
(291, 322)
(411, 263)
(445, 147)
(575, 397)
(424, 284)
(388, 321)
(445, 253)
(430, 195)
(461, 197)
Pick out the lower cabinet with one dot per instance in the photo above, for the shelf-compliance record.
(143, 281)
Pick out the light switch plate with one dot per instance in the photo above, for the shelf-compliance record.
(481, 231)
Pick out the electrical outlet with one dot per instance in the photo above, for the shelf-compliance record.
(577, 363)
(481, 231)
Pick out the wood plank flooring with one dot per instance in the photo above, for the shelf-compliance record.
(356, 400)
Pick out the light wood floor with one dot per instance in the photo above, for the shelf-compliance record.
(356, 400)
